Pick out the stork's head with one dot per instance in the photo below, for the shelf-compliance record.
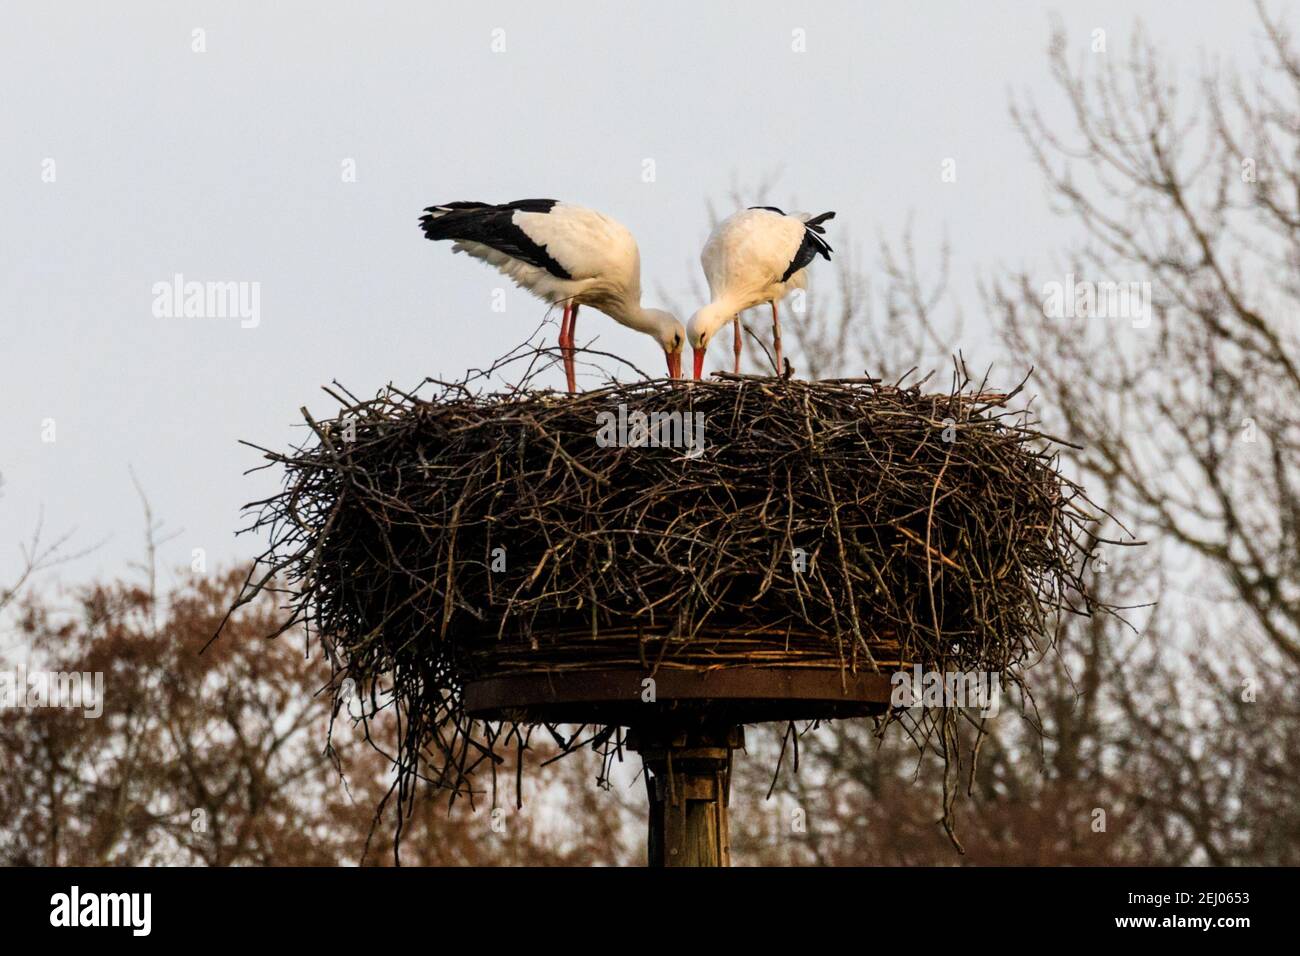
(702, 326)
(670, 335)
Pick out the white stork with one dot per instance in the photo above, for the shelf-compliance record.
(756, 255)
(564, 254)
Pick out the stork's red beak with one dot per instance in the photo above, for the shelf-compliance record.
(674, 363)
(699, 362)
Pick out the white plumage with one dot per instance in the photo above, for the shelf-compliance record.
(754, 256)
(565, 254)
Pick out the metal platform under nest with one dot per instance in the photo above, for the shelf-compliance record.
(625, 696)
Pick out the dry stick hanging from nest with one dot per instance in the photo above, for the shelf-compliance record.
(934, 522)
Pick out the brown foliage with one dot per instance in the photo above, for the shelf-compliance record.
(219, 758)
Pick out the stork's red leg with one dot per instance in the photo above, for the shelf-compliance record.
(776, 340)
(570, 373)
(738, 342)
(566, 344)
(564, 329)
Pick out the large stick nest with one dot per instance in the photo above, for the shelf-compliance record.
(846, 524)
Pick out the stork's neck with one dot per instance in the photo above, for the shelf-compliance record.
(720, 311)
(628, 311)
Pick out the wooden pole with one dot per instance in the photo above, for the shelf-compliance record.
(688, 781)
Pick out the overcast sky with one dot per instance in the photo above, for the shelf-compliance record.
(129, 157)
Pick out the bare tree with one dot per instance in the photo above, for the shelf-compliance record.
(1175, 742)
(1187, 414)
(37, 554)
(1193, 416)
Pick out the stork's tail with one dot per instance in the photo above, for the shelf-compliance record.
(816, 235)
(473, 220)
(444, 222)
(815, 222)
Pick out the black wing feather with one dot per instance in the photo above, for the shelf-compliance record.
(814, 244)
(493, 226)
